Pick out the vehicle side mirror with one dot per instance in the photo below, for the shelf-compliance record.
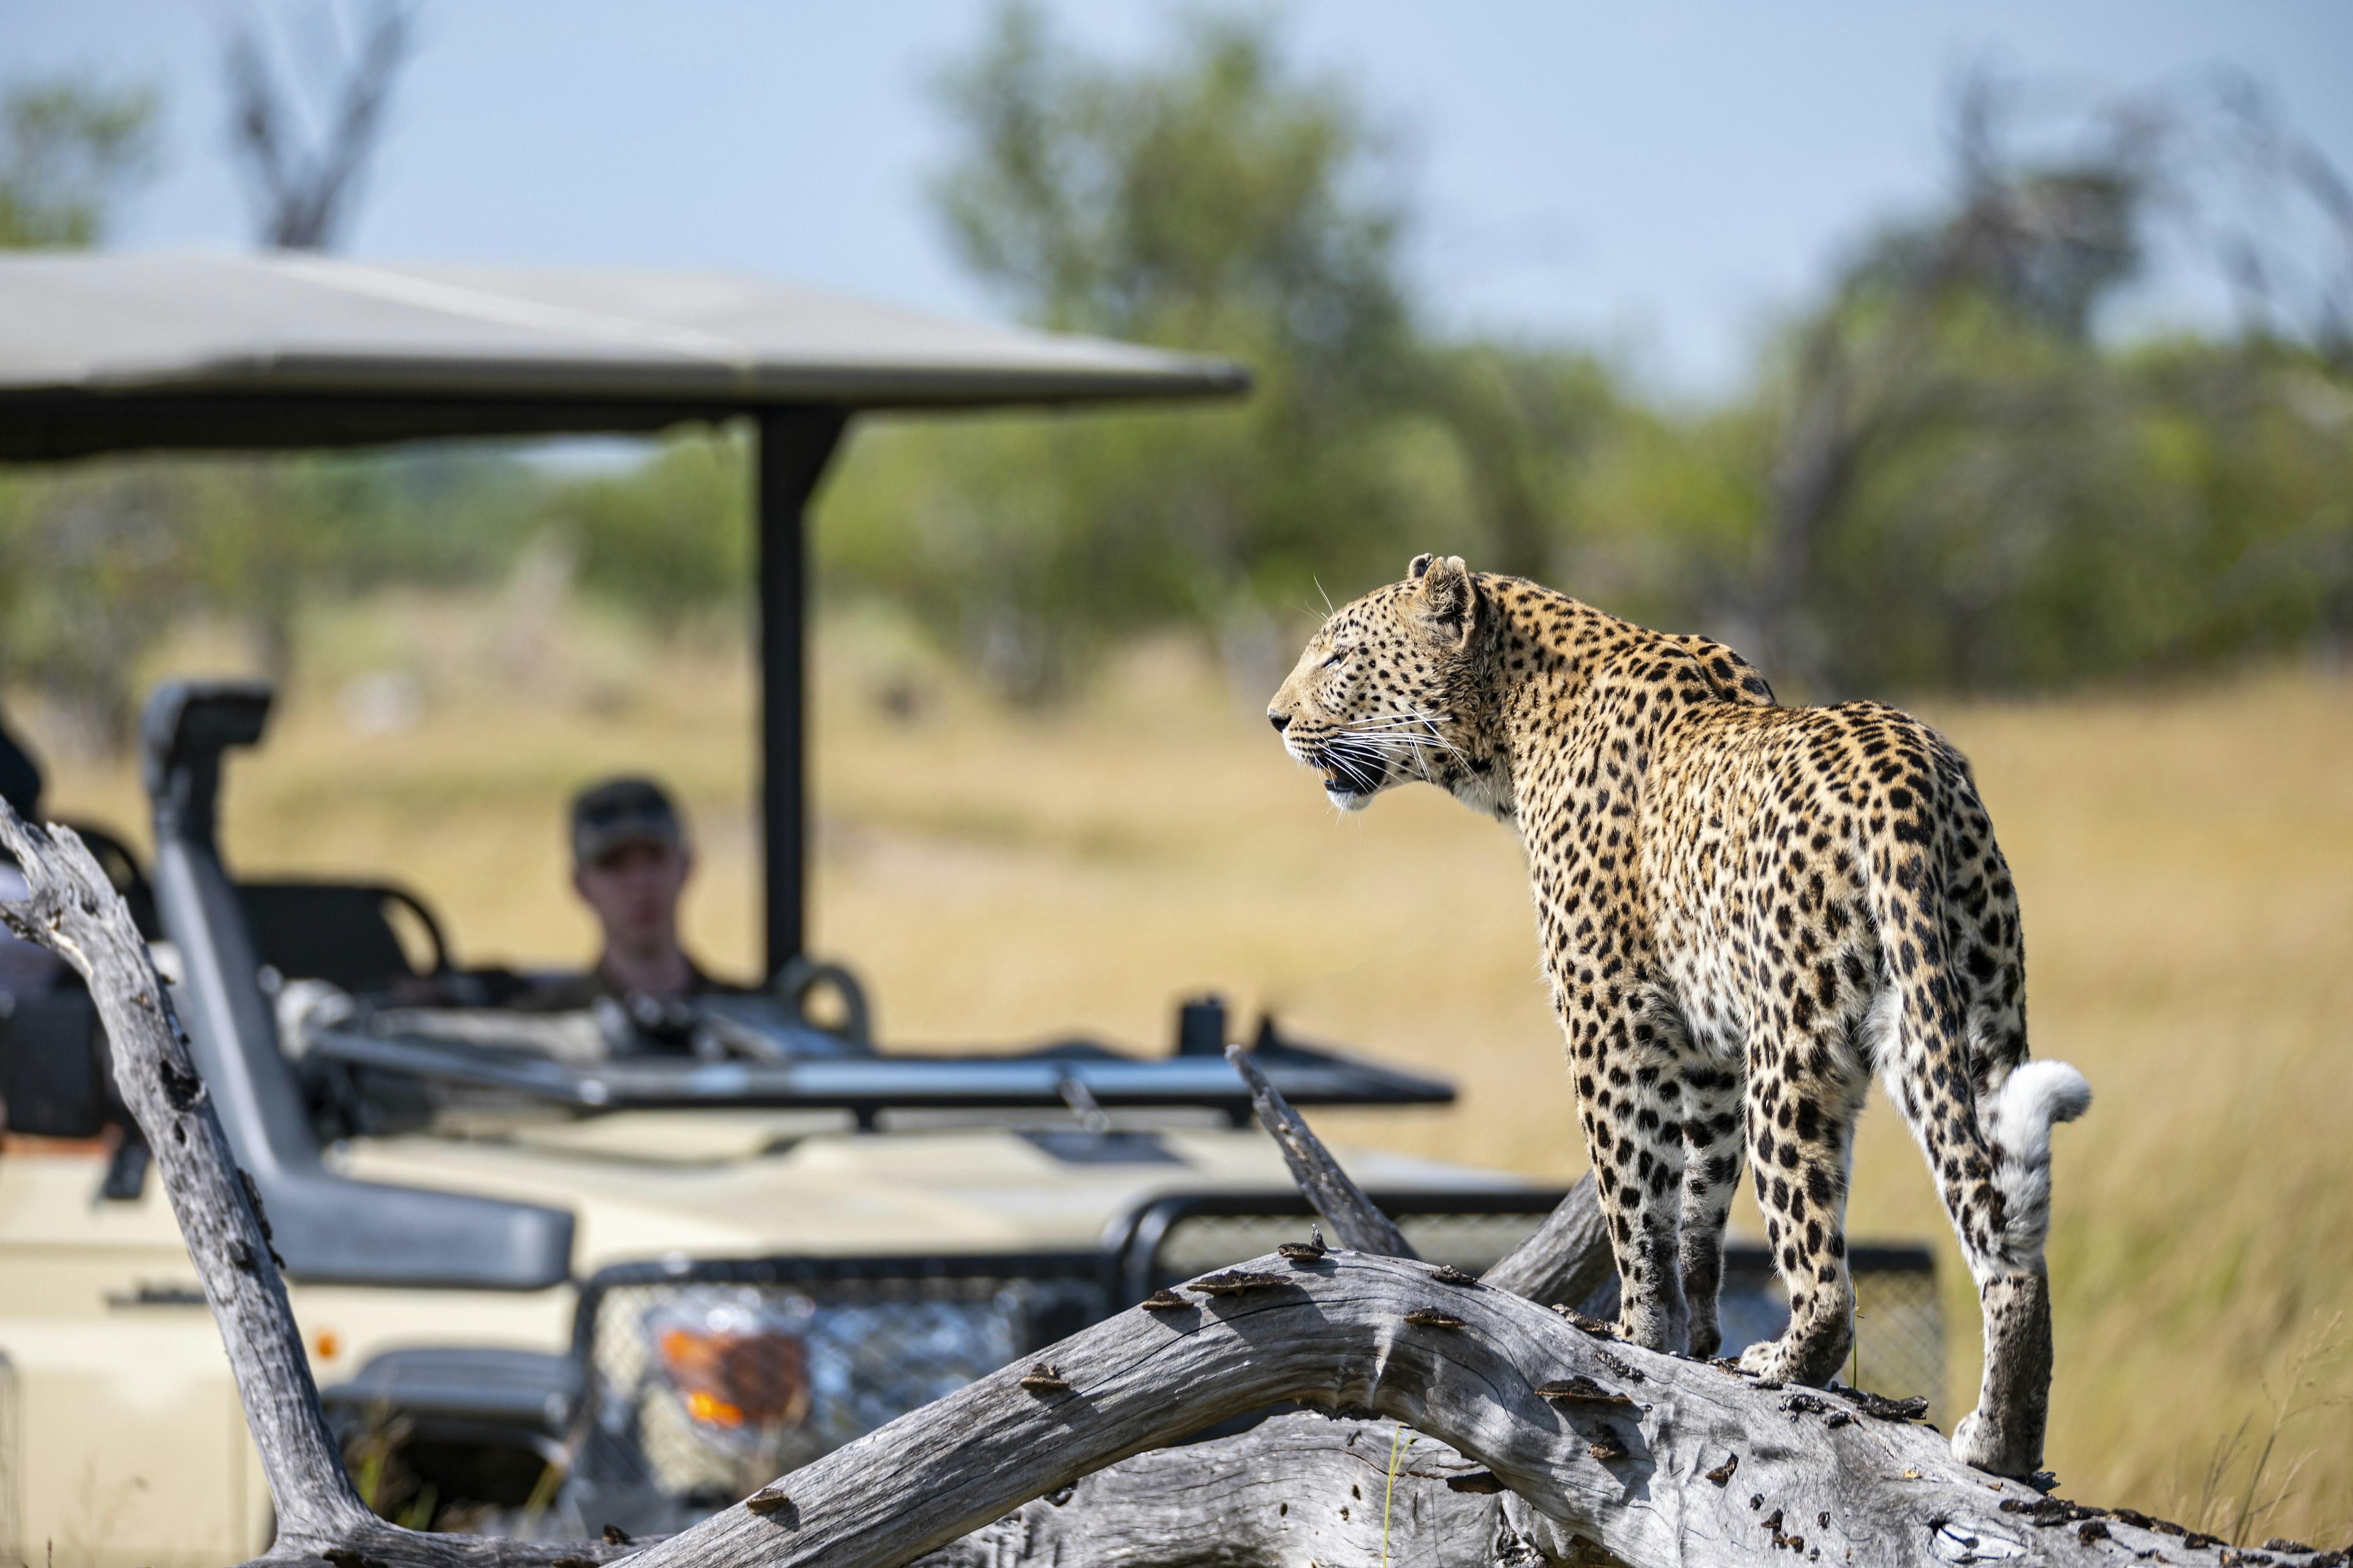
(52, 1071)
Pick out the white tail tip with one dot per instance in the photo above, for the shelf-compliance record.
(2031, 1101)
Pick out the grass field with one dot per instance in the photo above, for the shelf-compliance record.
(2185, 859)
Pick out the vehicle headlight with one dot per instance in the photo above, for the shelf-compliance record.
(702, 1389)
(736, 1357)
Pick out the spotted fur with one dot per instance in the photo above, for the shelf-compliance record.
(1746, 913)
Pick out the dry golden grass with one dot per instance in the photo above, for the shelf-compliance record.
(2186, 860)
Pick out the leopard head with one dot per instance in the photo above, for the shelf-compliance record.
(1390, 690)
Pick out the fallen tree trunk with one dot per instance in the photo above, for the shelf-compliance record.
(1607, 1450)
(1293, 1489)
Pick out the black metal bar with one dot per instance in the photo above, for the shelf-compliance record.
(863, 1084)
(65, 426)
(793, 447)
(1132, 1241)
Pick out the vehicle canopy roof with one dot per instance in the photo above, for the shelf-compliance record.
(106, 353)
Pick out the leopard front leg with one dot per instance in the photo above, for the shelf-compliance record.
(1714, 1124)
(1634, 1138)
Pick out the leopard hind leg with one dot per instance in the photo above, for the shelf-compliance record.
(1992, 1158)
(1948, 1038)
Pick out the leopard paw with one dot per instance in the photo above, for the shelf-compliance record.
(1979, 1442)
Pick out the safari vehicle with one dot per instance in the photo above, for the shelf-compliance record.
(620, 1266)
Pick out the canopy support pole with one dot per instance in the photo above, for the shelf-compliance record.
(793, 447)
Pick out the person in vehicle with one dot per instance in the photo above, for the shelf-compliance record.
(630, 862)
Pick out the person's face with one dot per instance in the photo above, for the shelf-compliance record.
(634, 890)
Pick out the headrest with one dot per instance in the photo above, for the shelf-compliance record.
(191, 721)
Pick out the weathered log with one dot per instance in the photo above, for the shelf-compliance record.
(1293, 1490)
(69, 912)
(1703, 1463)
(1698, 1464)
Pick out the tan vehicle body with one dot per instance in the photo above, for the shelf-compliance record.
(121, 1442)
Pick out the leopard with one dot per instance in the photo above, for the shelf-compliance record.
(1746, 913)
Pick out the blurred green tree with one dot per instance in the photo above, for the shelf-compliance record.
(667, 539)
(81, 572)
(1944, 473)
(1943, 476)
(90, 579)
(1968, 488)
(1524, 425)
(69, 150)
(98, 561)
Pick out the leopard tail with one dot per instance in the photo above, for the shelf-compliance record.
(1924, 1047)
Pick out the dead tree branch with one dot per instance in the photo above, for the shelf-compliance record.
(1563, 1262)
(306, 193)
(1353, 1216)
(73, 911)
(1292, 1490)
(1646, 1456)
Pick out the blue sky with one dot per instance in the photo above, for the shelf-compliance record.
(1659, 180)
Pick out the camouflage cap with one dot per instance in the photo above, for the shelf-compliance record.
(619, 812)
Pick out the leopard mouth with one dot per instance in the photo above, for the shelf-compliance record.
(1352, 772)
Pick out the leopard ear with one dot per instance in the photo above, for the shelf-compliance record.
(1419, 564)
(1448, 599)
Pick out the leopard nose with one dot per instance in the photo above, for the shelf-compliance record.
(1280, 722)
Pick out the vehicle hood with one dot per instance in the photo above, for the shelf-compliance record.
(649, 1186)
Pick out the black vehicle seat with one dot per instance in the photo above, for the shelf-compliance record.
(331, 1228)
(341, 932)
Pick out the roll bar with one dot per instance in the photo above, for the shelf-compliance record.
(330, 1229)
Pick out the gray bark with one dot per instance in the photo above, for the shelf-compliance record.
(74, 912)
(1646, 1456)
(1607, 1450)
(1294, 1489)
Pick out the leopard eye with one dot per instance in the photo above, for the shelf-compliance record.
(1339, 656)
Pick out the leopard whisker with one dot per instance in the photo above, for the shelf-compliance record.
(1395, 733)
